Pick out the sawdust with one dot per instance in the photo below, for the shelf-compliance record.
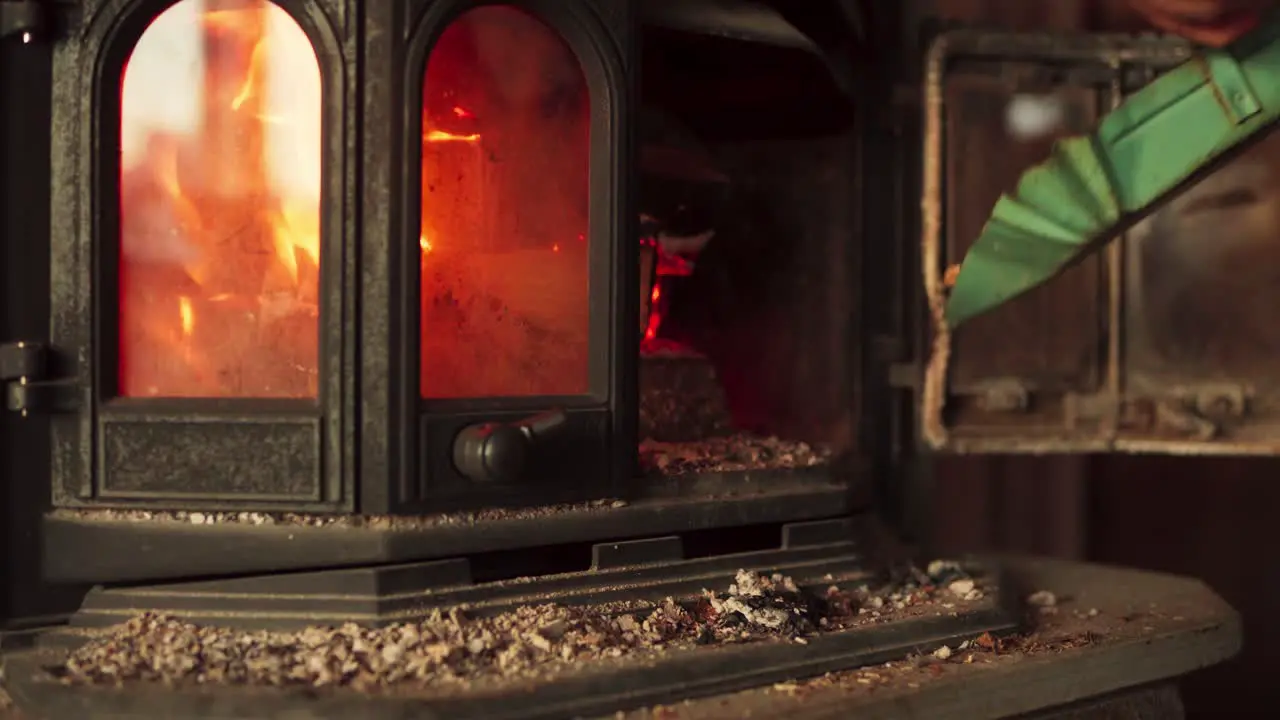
(453, 649)
(734, 453)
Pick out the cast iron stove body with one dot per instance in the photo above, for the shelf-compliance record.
(338, 284)
(237, 283)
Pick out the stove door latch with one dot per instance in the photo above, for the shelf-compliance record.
(26, 19)
(499, 452)
(24, 373)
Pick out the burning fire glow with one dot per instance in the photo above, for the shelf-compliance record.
(220, 205)
(220, 156)
(669, 264)
(655, 314)
(505, 141)
(442, 136)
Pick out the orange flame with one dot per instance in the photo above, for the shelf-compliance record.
(187, 315)
(442, 136)
(655, 314)
(245, 275)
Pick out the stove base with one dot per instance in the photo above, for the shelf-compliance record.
(817, 553)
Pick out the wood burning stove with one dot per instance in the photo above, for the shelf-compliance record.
(359, 310)
(380, 266)
(246, 330)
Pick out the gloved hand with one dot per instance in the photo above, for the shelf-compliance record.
(1208, 22)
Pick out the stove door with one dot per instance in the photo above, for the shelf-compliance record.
(1162, 342)
(517, 346)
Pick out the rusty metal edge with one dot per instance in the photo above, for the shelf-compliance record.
(1112, 49)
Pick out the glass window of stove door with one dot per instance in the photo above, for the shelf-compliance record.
(220, 205)
(504, 240)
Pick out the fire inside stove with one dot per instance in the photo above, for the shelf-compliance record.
(221, 225)
(221, 218)
(664, 260)
(220, 205)
(505, 155)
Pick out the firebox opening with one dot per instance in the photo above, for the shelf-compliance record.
(746, 235)
(220, 168)
(504, 238)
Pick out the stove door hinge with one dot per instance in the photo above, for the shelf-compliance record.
(24, 19)
(24, 372)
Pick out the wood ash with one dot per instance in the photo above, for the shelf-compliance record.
(453, 648)
(759, 605)
(734, 453)
(945, 586)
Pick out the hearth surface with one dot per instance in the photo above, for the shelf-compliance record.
(1107, 633)
(1110, 633)
(559, 660)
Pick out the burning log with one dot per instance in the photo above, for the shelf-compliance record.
(648, 282)
(232, 178)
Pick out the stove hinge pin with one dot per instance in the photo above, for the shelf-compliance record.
(24, 370)
(27, 19)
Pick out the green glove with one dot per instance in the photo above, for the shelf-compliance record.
(1092, 187)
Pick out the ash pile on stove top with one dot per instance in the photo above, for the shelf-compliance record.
(455, 649)
(767, 605)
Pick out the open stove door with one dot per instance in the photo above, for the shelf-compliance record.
(1165, 340)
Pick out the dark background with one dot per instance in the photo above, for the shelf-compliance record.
(1203, 517)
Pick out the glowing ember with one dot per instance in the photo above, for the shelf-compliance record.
(670, 264)
(220, 205)
(655, 313)
(187, 314)
(442, 136)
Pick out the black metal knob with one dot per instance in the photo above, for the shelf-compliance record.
(499, 452)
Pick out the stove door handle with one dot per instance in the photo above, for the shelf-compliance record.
(499, 452)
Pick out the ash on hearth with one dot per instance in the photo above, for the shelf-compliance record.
(453, 648)
(759, 603)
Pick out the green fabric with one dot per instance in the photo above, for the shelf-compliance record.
(1075, 202)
